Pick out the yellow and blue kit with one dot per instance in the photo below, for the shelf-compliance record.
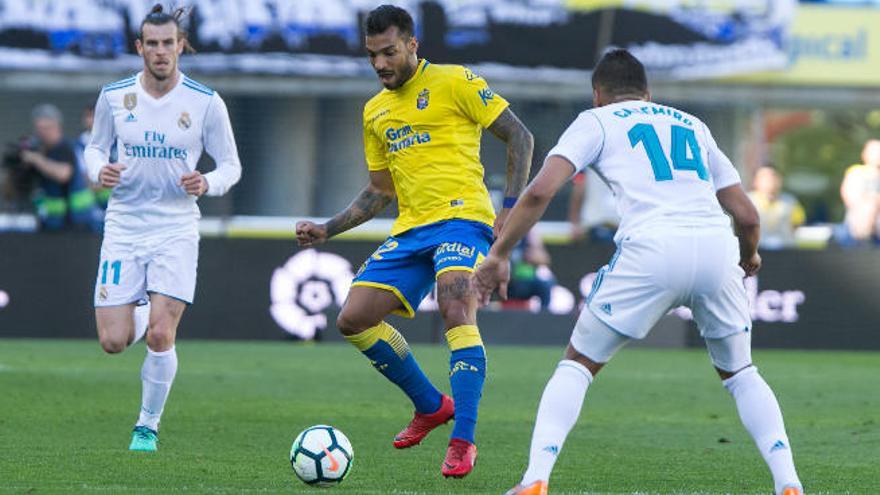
(427, 135)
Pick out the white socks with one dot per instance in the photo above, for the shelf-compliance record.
(157, 375)
(141, 322)
(557, 414)
(564, 395)
(761, 416)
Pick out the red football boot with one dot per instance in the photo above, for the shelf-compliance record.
(422, 424)
(460, 458)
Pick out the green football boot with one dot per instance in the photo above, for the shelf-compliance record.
(144, 439)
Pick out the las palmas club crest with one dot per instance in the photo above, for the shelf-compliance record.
(422, 101)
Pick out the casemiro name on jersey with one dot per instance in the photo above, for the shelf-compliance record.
(154, 147)
(654, 109)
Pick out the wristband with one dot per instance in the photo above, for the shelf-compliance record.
(509, 201)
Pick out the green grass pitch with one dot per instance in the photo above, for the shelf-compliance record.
(655, 422)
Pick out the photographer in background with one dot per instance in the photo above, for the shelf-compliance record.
(64, 199)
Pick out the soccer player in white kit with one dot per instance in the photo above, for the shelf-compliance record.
(675, 247)
(160, 121)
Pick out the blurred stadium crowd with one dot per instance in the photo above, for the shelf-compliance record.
(43, 174)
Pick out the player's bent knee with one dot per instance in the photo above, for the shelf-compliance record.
(572, 354)
(594, 340)
(160, 340)
(351, 324)
(112, 344)
(114, 336)
(730, 354)
(160, 336)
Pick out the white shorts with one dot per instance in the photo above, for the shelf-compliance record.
(599, 342)
(654, 272)
(128, 270)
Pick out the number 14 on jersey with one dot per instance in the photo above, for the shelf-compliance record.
(685, 153)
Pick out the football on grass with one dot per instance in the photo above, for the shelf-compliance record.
(321, 455)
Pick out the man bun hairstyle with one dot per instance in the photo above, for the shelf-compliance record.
(159, 17)
(385, 16)
(620, 73)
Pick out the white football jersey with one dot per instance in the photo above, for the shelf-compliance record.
(662, 164)
(158, 141)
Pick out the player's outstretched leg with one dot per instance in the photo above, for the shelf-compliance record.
(558, 412)
(390, 354)
(757, 406)
(760, 414)
(467, 372)
(158, 371)
(467, 365)
(360, 322)
(563, 398)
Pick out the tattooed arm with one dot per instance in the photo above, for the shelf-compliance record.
(378, 193)
(520, 144)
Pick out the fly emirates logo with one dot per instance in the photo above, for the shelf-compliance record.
(154, 147)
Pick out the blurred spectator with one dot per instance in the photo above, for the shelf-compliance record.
(530, 274)
(591, 208)
(63, 198)
(780, 212)
(87, 120)
(860, 192)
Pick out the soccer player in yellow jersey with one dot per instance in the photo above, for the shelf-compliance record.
(422, 142)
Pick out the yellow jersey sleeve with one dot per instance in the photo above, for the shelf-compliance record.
(374, 149)
(475, 99)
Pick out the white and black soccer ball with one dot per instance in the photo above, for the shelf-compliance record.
(321, 456)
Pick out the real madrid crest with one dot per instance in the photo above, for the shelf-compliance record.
(184, 122)
(102, 294)
(130, 101)
(423, 99)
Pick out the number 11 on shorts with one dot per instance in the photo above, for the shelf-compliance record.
(116, 266)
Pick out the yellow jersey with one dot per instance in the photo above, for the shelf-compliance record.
(427, 134)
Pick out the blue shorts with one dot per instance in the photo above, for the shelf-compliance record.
(409, 263)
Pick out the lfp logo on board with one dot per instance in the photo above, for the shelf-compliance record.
(305, 286)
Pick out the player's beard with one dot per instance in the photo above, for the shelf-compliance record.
(406, 73)
(172, 68)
